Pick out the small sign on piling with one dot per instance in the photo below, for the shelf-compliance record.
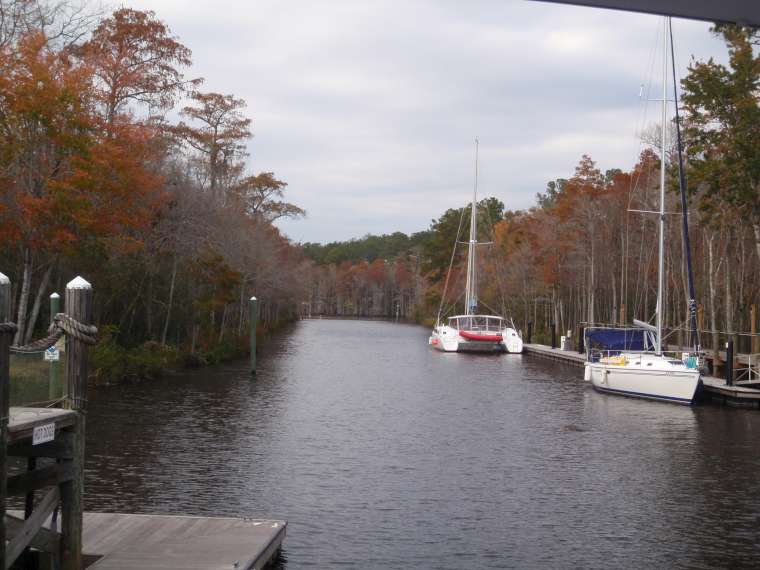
(43, 433)
(52, 354)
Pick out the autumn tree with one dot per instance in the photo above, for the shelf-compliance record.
(44, 127)
(260, 197)
(136, 59)
(578, 212)
(66, 177)
(218, 132)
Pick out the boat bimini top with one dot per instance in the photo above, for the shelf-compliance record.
(477, 323)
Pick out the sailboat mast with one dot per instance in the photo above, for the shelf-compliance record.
(693, 332)
(471, 285)
(663, 132)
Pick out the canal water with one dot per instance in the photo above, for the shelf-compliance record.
(382, 453)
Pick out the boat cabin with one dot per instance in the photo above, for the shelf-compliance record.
(613, 341)
(479, 323)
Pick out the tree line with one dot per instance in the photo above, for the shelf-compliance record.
(117, 163)
(585, 253)
(163, 215)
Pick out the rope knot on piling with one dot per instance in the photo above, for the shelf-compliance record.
(72, 327)
(8, 327)
(62, 324)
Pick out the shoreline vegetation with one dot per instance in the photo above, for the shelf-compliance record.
(112, 363)
(118, 163)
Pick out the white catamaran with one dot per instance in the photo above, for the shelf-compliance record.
(640, 367)
(472, 332)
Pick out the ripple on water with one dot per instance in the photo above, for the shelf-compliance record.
(382, 453)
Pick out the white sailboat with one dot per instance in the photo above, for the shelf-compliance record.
(473, 332)
(649, 372)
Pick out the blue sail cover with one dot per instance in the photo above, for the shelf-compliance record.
(615, 339)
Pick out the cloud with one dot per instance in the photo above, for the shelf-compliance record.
(369, 109)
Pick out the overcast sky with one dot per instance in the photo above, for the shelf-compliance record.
(368, 110)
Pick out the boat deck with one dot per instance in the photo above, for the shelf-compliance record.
(715, 389)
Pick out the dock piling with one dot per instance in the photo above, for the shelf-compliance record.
(78, 307)
(254, 319)
(55, 308)
(554, 335)
(730, 363)
(581, 340)
(530, 332)
(6, 337)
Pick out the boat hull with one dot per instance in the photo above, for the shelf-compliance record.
(676, 386)
(512, 341)
(448, 339)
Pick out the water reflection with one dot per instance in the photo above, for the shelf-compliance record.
(382, 453)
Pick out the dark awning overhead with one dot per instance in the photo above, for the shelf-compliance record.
(615, 339)
(745, 12)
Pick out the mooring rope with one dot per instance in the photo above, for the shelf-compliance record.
(62, 324)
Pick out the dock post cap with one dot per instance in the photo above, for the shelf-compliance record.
(253, 299)
(4, 279)
(78, 283)
(55, 296)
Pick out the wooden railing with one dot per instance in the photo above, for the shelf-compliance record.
(52, 441)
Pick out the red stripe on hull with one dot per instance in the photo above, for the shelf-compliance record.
(481, 337)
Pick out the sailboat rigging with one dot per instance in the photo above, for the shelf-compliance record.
(473, 332)
(693, 338)
(635, 363)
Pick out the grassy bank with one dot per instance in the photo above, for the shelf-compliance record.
(113, 363)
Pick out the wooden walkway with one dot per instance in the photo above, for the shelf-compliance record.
(51, 441)
(567, 356)
(22, 421)
(168, 542)
(715, 389)
(153, 542)
(123, 541)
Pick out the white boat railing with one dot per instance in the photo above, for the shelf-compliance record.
(477, 323)
(622, 356)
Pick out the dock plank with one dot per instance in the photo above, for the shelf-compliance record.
(568, 356)
(162, 542)
(22, 421)
(733, 395)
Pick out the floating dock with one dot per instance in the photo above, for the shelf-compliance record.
(167, 542)
(567, 356)
(157, 542)
(129, 541)
(50, 441)
(715, 389)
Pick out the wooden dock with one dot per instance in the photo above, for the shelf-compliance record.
(566, 356)
(714, 389)
(53, 531)
(168, 542)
